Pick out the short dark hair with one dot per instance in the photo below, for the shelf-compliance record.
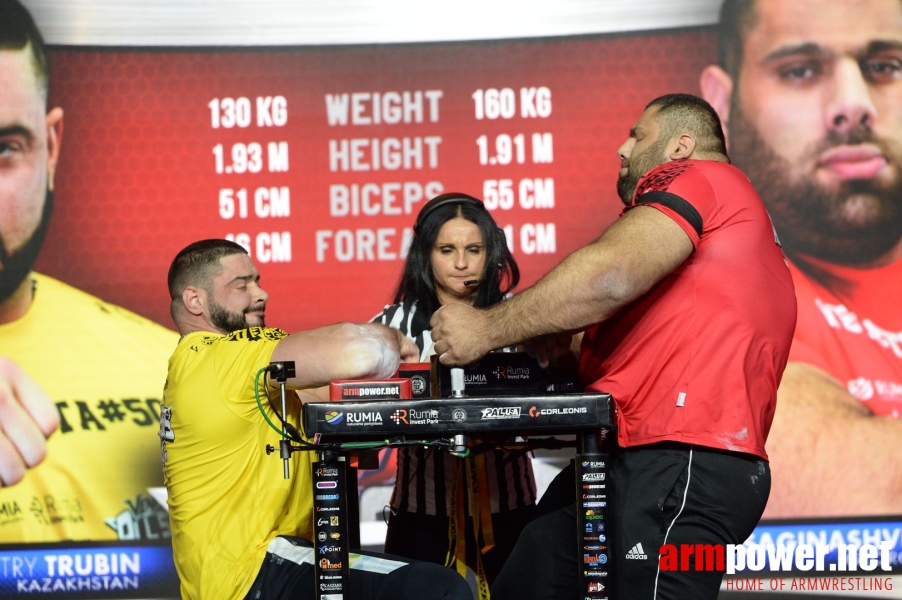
(197, 264)
(19, 32)
(737, 17)
(685, 113)
(500, 274)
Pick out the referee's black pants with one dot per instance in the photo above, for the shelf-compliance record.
(660, 494)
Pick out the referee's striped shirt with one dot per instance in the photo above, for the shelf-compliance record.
(425, 477)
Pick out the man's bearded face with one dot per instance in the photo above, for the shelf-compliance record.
(640, 163)
(848, 222)
(15, 266)
(227, 320)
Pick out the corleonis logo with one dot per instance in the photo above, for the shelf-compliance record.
(334, 417)
(535, 411)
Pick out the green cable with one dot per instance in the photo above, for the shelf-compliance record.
(381, 444)
(260, 404)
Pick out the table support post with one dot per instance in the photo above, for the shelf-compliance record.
(592, 517)
(330, 527)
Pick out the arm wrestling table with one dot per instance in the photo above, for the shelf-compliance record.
(340, 427)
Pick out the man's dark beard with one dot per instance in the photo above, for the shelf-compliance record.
(17, 265)
(809, 219)
(640, 164)
(229, 321)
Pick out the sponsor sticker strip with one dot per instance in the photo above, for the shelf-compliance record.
(330, 530)
(559, 413)
(592, 522)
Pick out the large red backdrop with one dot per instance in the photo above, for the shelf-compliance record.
(319, 158)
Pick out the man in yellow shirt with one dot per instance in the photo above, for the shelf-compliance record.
(238, 527)
(68, 361)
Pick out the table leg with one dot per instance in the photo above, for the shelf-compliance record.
(330, 527)
(593, 525)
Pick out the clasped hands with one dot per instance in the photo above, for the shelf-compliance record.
(462, 335)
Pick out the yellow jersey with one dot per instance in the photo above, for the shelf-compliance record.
(104, 367)
(227, 497)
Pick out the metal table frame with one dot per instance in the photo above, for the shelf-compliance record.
(331, 483)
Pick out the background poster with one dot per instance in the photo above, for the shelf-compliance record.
(318, 159)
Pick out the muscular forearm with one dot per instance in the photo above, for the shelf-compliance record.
(596, 281)
(581, 291)
(341, 351)
(829, 455)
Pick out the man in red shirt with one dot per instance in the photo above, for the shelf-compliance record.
(690, 311)
(811, 94)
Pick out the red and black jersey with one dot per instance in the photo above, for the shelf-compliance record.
(698, 358)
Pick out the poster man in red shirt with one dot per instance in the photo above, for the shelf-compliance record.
(811, 96)
(689, 310)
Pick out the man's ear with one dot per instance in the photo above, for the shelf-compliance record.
(717, 88)
(194, 299)
(682, 147)
(54, 141)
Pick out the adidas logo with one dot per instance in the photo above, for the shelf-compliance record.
(637, 552)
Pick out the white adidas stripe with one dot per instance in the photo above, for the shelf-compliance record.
(682, 506)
